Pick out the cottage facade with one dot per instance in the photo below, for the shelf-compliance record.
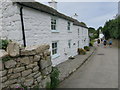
(32, 23)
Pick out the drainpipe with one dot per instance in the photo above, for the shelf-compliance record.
(22, 23)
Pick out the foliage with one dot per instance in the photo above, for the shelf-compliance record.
(81, 51)
(48, 85)
(90, 44)
(7, 58)
(110, 29)
(3, 44)
(87, 48)
(95, 33)
(91, 30)
(83, 23)
(54, 77)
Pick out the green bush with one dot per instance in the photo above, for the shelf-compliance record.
(81, 51)
(54, 78)
(90, 44)
(3, 44)
(87, 48)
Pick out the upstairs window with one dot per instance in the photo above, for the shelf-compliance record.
(69, 43)
(54, 48)
(68, 27)
(53, 23)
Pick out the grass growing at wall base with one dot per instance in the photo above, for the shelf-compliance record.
(54, 79)
(4, 44)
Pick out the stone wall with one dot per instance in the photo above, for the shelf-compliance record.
(29, 67)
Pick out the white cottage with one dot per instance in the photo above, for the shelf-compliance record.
(32, 23)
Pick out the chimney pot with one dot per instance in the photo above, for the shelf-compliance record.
(53, 4)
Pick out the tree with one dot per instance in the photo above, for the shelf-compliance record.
(110, 29)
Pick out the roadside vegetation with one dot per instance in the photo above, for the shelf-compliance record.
(111, 28)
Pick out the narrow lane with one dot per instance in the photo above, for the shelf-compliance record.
(100, 72)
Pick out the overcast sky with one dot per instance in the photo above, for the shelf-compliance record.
(94, 14)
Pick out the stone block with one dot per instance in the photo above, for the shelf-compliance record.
(47, 53)
(13, 49)
(15, 86)
(16, 70)
(29, 51)
(3, 73)
(45, 63)
(42, 48)
(31, 66)
(26, 72)
(32, 74)
(1, 65)
(35, 82)
(28, 82)
(35, 69)
(45, 81)
(10, 71)
(3, 53)
(3, 79)
(46, 71)
(36, 58)
(9, 82)
(31, 58)
(39, 79)
(15, 76)
(21, 79)
(25, 61)
(10, 63)
(37, 75)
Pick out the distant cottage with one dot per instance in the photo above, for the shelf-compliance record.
(32, 23)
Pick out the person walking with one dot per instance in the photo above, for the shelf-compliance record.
(98, 42)
(110, 43)
(105, 43)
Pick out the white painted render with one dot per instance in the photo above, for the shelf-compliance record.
(38, 31)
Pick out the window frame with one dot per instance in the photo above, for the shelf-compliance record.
(78, 31)
(54, 47)
(53, 23)
(69, 43)
(68, 25)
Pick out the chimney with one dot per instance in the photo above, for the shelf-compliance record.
(75, 16)
(53, 4)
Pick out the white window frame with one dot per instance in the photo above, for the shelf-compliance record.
(55, 55)
(69, 43)
(53, 23)
(78, 31)
(68, 25)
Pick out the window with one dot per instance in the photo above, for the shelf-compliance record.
(69, 43)
(78, 44)
(53, 23)
(78, 31)
(68, 27)
(54, 48)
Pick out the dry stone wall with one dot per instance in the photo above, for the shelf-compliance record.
(29, 67)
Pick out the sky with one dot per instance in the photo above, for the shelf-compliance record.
(94, 14)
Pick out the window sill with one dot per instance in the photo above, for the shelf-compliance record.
(55, 56)
(55, 31)
(69, 31)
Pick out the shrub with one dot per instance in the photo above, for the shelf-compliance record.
(87, 48)
(90, 44)
(81, 51)
(54, 78)
(3, 44)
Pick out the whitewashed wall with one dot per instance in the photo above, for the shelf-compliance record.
(38, 31)
(11, 24)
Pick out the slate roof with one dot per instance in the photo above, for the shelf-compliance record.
(49, 10)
